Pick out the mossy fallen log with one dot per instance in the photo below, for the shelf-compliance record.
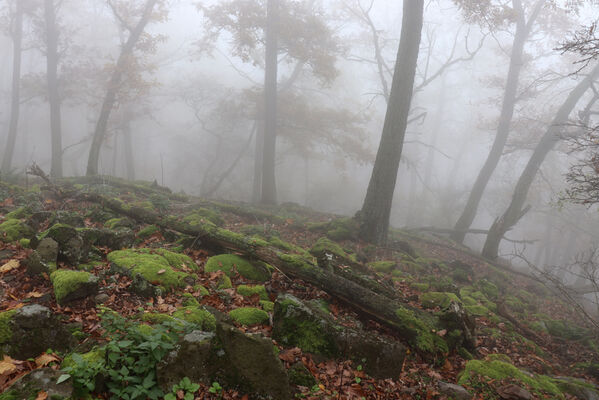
(414, 325)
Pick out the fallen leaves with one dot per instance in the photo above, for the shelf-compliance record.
(7, 366)
(9, 266)
(45, 359)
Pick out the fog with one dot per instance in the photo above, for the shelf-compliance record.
(189, 108)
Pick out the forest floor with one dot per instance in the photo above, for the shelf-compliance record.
(527, 339)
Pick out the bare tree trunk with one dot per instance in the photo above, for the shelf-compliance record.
(53, 93)
(17, 35)
(113, 86)
(257, 184)
(375, 213)
(515, 210)
(269, 188)
(505, 119)
(129, 160)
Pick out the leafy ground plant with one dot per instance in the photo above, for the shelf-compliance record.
(183, 390)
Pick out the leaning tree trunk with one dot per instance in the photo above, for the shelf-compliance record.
(16, 89)
(269, 189)
(505, 119)
(375, 213)
(53, 94)
(113, 87)
(515, 210)
(129, 160)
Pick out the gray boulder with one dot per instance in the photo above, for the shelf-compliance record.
(454, 391)
(33, 330)
(41, 379)
(309, 327)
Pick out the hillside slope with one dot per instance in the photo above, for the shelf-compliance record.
(111, 289)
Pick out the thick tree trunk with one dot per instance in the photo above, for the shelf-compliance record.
(53, 93)
(515, 210)
(374, 216)
(17, 35)
(505, 120)
(259, 147)
(113, 87)
(269, 188)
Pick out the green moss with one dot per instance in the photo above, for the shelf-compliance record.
(197, 315)
(438, 299)
(307, 334)
(157, 318)
(419, 333)
(249, 315)
(5, 332)
(465, 354)
(267, 306)
(189, 300)
(337, 229)
(249, 291)
(300, 375)
(230, 262)
(383, 266)
(66, 282)
(565, 329)
(155, 266)
(203, 291)
(498, 370)
(201, 215)
(114, 223)
(24, 243)
(93, 357)
(324, 245)
(478, 310)
(488, 288)
(12, 230)
(422, 287)
(148, 231)
(19, 213)
(280, 244)
(224, 283)
(515, 304)
(469, 301)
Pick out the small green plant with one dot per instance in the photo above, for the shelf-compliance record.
(216, 388)
(186, 387)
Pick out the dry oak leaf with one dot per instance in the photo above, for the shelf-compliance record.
(7, 366)
(42, 396)
(45, 359)
(9, 266)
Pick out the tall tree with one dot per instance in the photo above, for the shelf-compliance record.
(115, 81)
(523, 30)
(269, 191)
(376, 210)
(17, 36)
(516, 209)
(52, 59)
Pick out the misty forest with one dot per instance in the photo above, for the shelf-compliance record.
(299, 199)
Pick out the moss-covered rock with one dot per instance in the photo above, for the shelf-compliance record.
(5, 329)
(96, 356)
(201, 215)
(148, 231)
(437, 299)
(198, 316)
(250, 290)
(13, 230)
(488, 288)
(72, 285)
(383, 266)
(420, 333)
(157, 267)
(301, 376)
(249, 316)
(231, 262)
(267, 306)
(29, 386)
(482, 371)
(224, 282)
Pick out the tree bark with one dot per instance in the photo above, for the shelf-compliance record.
(515, 210)
(505, 119)
(269, 189)
(113, 87)
(17, 35)
(375, 213)
(52, 59)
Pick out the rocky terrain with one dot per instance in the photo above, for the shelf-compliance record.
(120, 290)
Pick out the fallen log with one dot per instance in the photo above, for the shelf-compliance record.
(413, 325)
